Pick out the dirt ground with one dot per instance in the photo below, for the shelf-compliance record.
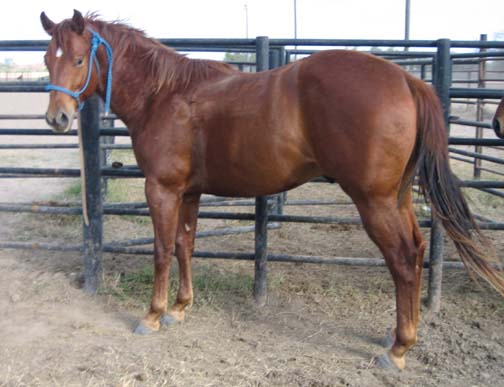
(322, 324)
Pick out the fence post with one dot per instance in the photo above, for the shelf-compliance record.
(480, 107)
(261, 203)
(92, 233)
(105, 123)
(423, 71)
(277, 59)
(442, 81)
(274, 58)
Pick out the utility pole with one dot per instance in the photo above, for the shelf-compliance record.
(407, 23)
(295, 27)
(246, 20)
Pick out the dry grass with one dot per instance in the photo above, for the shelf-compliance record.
(213, 285)
(320, 327)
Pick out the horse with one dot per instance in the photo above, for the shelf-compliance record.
(201, 126)
(498, 120)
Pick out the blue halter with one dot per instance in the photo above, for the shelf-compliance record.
(96, 41)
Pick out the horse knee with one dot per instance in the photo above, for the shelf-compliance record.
(162, 259)
(183, 244)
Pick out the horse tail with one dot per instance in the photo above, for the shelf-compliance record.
(442, 188)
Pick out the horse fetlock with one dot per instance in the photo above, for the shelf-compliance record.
(176, 313)
(183, 301)
(157, 308)
(404, 341)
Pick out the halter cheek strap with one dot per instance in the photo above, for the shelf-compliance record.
(96, 41)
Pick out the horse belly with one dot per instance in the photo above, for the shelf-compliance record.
(258, 173)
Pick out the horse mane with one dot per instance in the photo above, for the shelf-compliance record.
(165, 66)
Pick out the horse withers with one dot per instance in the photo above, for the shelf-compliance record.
(200, 126)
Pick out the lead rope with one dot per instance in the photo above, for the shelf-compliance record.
(83, 174)
(96, 41)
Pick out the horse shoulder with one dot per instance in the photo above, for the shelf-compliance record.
(163, 148)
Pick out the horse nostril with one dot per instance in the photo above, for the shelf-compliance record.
(50, 121)
(62, 119)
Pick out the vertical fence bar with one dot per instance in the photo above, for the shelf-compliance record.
(277, 59)
(105, 153)
(423, 71)
(282, 198)
(436, 266)
(282, 56)
(92, 233)
(282, 52)
(261, 203)
(442, 81)
(480, 105)
(274, 58)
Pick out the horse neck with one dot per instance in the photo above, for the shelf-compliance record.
(134, 88)
(131, 87)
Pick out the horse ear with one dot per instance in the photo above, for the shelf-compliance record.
(78, 22)
(47, 23)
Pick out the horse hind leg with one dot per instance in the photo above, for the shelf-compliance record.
(395, 231)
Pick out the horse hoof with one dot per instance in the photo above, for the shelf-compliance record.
(385, 362)
(143, 329)
(167, 319)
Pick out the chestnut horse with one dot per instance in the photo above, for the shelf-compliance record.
(201, 126)
(498, 120)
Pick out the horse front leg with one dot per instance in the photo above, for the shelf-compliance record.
(164, 203)
(184, 247)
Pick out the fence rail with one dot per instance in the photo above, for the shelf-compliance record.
(439, 63)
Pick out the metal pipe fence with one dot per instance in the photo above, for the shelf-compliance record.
(269, 53)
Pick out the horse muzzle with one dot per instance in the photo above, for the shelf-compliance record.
(498, 127)
(61, 122)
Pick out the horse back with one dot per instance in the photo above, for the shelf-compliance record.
(252, 131)
(338, 113)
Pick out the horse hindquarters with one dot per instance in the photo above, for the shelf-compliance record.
(360, 119)
(364, 136)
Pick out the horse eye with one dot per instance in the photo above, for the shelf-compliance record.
(79, 61)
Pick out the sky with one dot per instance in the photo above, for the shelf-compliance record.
(332, 19)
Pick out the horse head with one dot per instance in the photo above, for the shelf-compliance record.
(69, 59)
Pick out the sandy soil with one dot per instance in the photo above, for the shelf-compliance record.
(321, 327)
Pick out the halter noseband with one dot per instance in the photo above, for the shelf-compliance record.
(96, 41)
